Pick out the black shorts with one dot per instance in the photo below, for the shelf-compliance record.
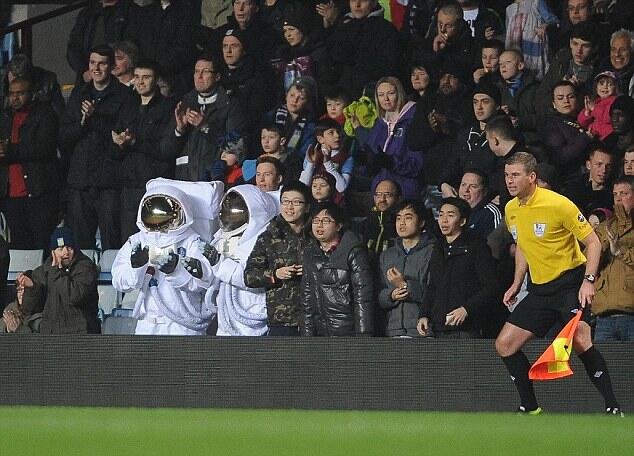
(549, 304)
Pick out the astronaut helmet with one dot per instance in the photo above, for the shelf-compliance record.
(162, 213)
(234, 213)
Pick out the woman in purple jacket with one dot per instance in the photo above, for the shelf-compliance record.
(389, 157)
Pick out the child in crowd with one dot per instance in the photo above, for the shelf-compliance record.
(233, 156)
(336, 100)
(328, 156)
(490, 58)
(526, 23)
(596, 116)
(322, 187)
(273, 143)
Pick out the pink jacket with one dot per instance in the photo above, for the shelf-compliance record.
(598, 122)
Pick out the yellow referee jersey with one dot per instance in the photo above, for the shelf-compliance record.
(546, 230)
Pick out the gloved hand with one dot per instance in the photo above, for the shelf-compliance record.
(193, 266)
(167, 263)
(218, 169)
(209, 252)
(139, 256)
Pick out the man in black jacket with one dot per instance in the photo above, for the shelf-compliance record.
(204, 117)
(136, 139)
(28, 156)
(86, 136)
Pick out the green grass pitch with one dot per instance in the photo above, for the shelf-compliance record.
(112, 431)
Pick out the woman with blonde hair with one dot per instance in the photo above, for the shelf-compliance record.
(388, 156)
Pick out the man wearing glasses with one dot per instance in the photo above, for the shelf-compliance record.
(202, 119)
(275, 263)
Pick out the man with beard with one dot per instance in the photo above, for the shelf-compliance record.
(136, 139)
(205, 116)
(436, 121)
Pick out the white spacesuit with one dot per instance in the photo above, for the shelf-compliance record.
(163, 260)
(245, 213)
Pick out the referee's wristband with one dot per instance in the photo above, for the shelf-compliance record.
(590, 278)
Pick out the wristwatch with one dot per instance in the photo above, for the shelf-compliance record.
(590, 278)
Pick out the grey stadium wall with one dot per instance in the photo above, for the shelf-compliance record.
(302, 373)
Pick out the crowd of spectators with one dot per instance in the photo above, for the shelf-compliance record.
(381, 128)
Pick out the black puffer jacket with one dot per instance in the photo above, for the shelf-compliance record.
(337, 290)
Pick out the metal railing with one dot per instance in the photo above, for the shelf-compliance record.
(26, 27)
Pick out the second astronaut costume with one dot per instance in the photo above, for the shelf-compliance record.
(164, 260)
(245, 213)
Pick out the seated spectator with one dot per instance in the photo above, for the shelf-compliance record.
(86, 136)
(28, 156)
(451, 39)
(592, 189)
(16, 320)
(64, 288)
(103, 21)
(245, 81)
(504, 143)
(519, 95)
(389, 156)
(327, 156)
(322, 188)
(296, 116)
(614, 301)
(421, 82)
(164, 32)
(126, 56)
(136, 144)
(362, 47)
(275, 263)
(471, 147)
(574, 63)
(462, 278)
(484, 216)
(202, 119)
(489, 72)
(336, 100)
(622, 120)
(228, 168)
(526, 23)
(404, 270)
(567, 144)
(595, 117)
(259, 38)
(45, 88)
(628, 161)
(377, 229)
(620, 61)
(436, 121)
(337, 291)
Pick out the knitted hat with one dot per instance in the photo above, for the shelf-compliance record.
(237, 34)
(62, 237)
(298, 19)
(488, 89)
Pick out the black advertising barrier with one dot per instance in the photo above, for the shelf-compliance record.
(302, 373)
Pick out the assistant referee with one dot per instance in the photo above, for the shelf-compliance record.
(546, 227)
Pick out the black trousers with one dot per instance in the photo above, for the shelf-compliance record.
(130, 200)
(31, 220)
(93, 208)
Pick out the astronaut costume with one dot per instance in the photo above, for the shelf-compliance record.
(164, 261)
(245, 213)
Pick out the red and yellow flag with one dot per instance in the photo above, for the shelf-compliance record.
(554, 361)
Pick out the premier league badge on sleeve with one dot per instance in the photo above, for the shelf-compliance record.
(514, 232)
(539, 229)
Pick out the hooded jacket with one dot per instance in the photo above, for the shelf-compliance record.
(403, 165)
(337, 290)
(241, 309)
(172, 303)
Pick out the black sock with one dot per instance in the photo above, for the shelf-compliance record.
(598, 372)
(518, 366)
